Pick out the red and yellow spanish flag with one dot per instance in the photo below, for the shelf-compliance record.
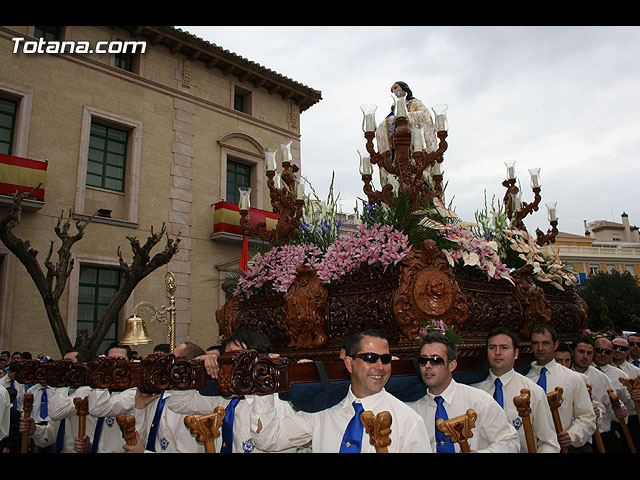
(19, 174)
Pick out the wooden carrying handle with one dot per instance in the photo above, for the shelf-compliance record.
(632, 384)
(27, 407)
(522, 403)
(459, 428)
(379, 428)
(596, 435)
(127, 424)
(555, 400)
(82, 410)
(206, 428)
(615, 403)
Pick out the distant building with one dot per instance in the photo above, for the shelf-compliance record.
(606, 246)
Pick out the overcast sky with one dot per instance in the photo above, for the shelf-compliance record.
(565, 99)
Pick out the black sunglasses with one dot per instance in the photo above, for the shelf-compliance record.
(607, 351)
(622, 348)
(434, 361)
(634, 344)
(370, 357)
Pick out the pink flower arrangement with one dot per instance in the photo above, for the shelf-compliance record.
(278, 266)
(476, 252)
(374, 245)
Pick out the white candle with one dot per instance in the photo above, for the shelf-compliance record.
(245, 198)
(440, 123)
(369, 123)
(270, 159)
(436, 170)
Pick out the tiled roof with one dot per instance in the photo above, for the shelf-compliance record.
(195, 48)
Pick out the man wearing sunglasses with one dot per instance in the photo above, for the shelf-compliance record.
(504, 383)
(634, 349)
(447, 399)
(338, 429)
(582, 362)
(619, 359)
(576, 411)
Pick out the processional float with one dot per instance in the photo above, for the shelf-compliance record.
(311, 318)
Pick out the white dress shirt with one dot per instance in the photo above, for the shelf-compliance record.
(5, 409)
(191, 402)
(62, 408)
(542, 425)
(614, 373)
(107, 405)
(576, 411)
(173, 435)
(326, 428)
(492, 431)
(600, 383)
(19, 387)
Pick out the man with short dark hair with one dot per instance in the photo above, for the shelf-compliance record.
(504, 383)
(562, 354)
(576, 411)
(339, 428)
(629, 371)
(63, 410)
(582, 362)
(446, 399)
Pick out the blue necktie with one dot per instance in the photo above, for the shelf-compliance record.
(443, 442)
(352, 438)
(96, 434)
(153, 431)
(497, 394)
(60, 438)
(636, 363)
(227, 425)
(44, 404)
(15, 400)
(542, 381)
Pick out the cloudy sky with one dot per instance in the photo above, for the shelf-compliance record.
(565, 99)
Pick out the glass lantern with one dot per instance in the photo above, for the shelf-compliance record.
(368, 117)
(245, 198)
(441, 123)
(552, 213)
(365, 163)
(535, 177)
(285, 152)
(511, 169)
(401, 104)
(270, 159)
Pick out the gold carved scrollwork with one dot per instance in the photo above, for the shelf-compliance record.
(427, 290)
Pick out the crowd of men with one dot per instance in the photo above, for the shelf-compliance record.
(596, 414)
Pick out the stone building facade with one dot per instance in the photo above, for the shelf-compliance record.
(156, 130)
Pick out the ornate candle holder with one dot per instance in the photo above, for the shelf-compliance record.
(286, 191)
(418, 172)
(517, 210)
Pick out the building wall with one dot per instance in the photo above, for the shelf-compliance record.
(183, 128)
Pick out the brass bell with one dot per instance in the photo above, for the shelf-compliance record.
(135, 332)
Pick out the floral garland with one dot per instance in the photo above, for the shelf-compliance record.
(436, 326)
(277, 266)
(475, 252)
(547, 265)
(374, 245)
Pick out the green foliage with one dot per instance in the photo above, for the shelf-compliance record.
(320, 222)
(492, 223)
(414, 223)
(612, 297)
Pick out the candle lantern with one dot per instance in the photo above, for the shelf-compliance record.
(511, 169)
(285, 152)
(552, 213)
(270, 159)
(418, 143)
(401, 104)
(365, 163)
(368, 117)
(535, 177)
(440, 111)
(245, 198)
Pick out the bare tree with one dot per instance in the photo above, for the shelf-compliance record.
(51, 284)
